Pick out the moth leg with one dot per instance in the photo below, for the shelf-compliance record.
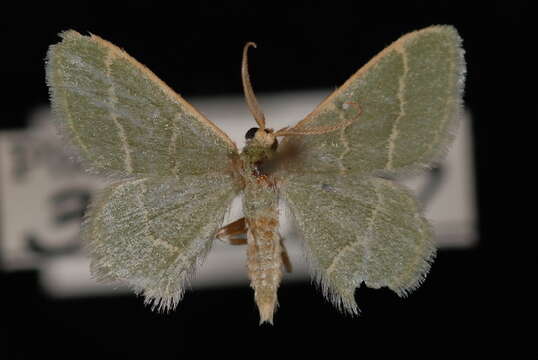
(234, 233)
(285, 258)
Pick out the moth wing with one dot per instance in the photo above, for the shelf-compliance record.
(152, 233)
(122, 119)
(404, 106)
(359, 230)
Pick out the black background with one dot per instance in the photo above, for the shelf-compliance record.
(196, 49)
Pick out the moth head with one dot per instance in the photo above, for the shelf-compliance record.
(264, 138)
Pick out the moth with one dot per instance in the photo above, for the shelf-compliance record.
(175, 173)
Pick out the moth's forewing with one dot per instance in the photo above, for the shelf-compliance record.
(404, 103)
(122, 119)
(359, 229)
(152, 233)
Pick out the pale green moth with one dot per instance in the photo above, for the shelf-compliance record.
(175, 173)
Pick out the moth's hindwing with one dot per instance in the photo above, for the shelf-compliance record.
(360, 230)
(153, 232)
(122, 119)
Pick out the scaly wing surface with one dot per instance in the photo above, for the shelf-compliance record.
(153, 232)
(124, 121)
(404, 106)
(360, 230)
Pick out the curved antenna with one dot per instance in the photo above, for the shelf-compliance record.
(252, 102)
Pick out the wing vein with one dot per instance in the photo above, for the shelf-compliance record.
(353, 244)
(147, 221)
(114, 101)
(347, 149)
(172, 147)
(395, 132)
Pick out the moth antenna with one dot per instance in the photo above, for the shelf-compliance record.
(313, 131)
(252, 102)
(286, 131)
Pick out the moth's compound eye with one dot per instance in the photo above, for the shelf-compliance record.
(250, 134)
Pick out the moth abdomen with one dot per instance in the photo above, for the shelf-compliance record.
(264, 262)
(264, 248)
